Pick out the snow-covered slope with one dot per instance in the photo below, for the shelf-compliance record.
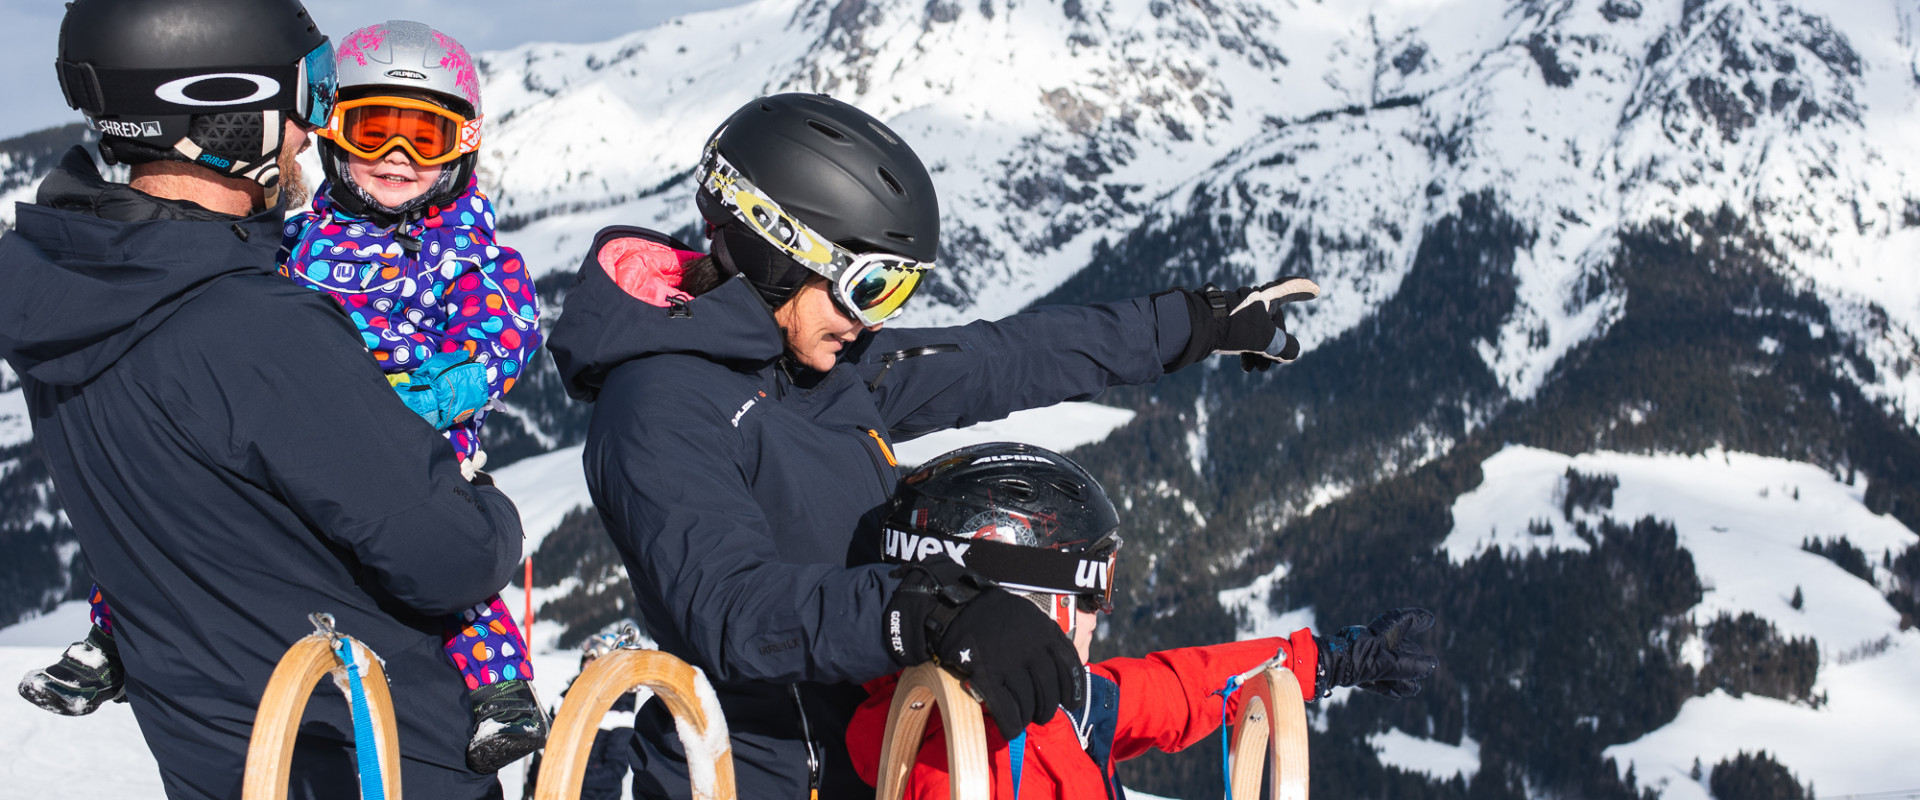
(1326, 137)
(1743, 519)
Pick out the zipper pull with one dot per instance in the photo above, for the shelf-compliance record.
(884, 449)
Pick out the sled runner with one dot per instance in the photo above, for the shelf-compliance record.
(696, 714)
(358, 673)
(922, 689)
(1272, 718)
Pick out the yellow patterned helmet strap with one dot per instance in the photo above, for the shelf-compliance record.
(871, 287)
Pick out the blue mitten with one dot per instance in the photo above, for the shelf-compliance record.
(447, 389)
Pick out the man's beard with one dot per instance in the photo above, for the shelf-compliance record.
(293, 183)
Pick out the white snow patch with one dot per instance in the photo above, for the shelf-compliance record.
(1439, 760)
(15, 429)
(1862, 741)
(545, 488)
(1197, 438)
(1251, 605)
(65, 624)
(1060, 427)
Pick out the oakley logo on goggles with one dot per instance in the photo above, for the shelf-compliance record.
(304, 88)
(371, 127)
(871, 287)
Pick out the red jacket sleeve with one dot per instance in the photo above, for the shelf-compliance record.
(1167, 699)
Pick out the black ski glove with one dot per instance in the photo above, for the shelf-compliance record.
(1248, 321)
(1015, 659)
(1380, 657)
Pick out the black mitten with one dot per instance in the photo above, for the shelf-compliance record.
(1380, 657)
(1249, 321)
(1016, 660)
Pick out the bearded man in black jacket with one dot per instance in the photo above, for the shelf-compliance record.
(191, 404)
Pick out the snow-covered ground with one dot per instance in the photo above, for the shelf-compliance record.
(1742, 517)
(42, 755)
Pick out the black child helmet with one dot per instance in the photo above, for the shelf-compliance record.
(207, 82)
(1027, 517)
(795, 185)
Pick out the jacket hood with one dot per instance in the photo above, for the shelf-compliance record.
(92, 267)
(607, 320)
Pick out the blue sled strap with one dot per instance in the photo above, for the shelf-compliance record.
(350, 655)
(359, 674)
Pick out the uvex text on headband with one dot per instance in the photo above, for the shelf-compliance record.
(871, 287)
(1014, 567)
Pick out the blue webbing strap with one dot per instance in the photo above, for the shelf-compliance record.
(1017, 751)
(365, 750)
(1226, 750)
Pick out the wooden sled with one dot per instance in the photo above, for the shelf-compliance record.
(685, 691)
(270, 750)
(1273, 719)
(922, 689)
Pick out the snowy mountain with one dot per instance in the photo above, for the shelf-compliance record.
(1561, 240)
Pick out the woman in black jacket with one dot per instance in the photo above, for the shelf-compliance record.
(745, 409)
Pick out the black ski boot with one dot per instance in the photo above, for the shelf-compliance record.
(507, 723)
(85, 678)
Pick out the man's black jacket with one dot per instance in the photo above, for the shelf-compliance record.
(232, 459)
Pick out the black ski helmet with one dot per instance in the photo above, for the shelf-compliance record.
(833, 167)
(206, 82)
(1025, 516)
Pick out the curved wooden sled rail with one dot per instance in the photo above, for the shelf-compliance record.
(922, 689)
(674, 682)
(270, 750)
(1273, 718)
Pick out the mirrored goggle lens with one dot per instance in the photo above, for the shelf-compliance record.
(878, 292)
(321, 83)
(1101, 603)
(367, 130)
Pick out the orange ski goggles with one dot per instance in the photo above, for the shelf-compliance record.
(371, 127)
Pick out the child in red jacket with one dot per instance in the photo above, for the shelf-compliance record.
(1033, 522)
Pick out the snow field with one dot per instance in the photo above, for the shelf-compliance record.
(1742, 517)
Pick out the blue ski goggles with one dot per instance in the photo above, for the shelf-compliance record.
(870, 287)
(318, 82)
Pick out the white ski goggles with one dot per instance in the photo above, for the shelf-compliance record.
(871, 287)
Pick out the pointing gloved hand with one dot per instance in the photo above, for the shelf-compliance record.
(448, 388)
(1248, 321)
(1014, 658)
(1380, 657)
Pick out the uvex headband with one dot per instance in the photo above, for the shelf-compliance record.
(1015, 567)
(872, 287)
(371, 126)
(157, 105)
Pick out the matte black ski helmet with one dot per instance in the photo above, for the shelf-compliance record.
(206, 82)
(837, 170)
(1027, 517)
